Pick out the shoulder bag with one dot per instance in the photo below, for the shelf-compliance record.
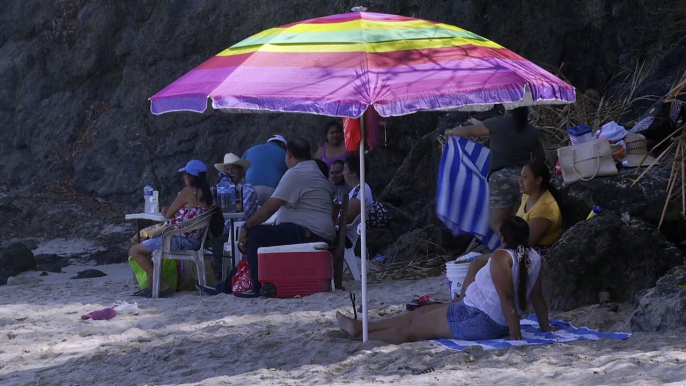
(585, 161)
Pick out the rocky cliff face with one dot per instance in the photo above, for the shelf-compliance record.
(76, 75)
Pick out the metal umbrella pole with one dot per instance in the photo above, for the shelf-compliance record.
(363, 235)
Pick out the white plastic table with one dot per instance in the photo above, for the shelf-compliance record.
(157, 217)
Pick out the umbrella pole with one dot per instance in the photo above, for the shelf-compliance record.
(363, 236)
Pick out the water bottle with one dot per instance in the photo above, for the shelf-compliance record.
(594, 212)
(147, 196)
(155, 201)
(226, 194)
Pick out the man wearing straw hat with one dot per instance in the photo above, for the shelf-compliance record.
(236, 168)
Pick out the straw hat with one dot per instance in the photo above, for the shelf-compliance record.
(636, 151)
(232, 159)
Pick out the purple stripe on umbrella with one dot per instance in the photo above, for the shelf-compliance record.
(481, 97)
(316, 106)
(459, 81)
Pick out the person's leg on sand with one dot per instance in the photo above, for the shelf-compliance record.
(430, 325)
(354, 327)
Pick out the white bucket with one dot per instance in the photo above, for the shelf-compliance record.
(456, 272)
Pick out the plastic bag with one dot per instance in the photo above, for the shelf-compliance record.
(241, 281)
(169, 273)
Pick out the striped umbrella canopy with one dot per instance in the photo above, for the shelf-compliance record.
(340, 65)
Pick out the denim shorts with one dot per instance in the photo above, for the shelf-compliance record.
(503, 188)
(470, 323)
(178, 243)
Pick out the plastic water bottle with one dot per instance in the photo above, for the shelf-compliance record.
(594, 212)
(155, 201)
(147, 196)
(226, 194)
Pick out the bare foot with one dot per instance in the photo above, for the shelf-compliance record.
(348, 325)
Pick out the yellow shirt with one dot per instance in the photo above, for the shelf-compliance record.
(546, 207)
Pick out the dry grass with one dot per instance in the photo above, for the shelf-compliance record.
(590, 109)
(676, 185)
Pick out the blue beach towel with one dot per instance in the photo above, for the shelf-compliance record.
(462, 193)
(531, 334)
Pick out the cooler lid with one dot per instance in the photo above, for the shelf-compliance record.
(307, 247)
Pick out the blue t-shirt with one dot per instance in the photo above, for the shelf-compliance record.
(268, 164)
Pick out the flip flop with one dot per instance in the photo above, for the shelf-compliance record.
(144, 293)
(207, 290)
(422, 301)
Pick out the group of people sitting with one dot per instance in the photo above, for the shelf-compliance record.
(278, 178)
(499, 289)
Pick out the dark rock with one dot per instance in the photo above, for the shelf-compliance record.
(89, 273)
(431, 239)
(615, 194)
(605, 252)
(378, 239)
(662, 307)
(110, 256)
(51, 263)
(414, 184)
(15, 259)
(43, 274)
(78, 74)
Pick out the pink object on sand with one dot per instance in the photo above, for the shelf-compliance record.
(104, 314)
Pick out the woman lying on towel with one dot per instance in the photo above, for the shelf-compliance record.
(496, 301)
(539, 208)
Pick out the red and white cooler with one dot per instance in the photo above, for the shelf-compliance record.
(287, 271)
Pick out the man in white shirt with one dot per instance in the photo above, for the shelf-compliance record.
(303, 203)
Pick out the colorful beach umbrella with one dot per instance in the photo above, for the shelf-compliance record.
(341, 65)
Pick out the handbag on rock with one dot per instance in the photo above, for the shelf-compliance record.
(585, 161)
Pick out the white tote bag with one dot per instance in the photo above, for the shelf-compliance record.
(585, 161)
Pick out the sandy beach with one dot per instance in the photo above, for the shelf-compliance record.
(224, 340)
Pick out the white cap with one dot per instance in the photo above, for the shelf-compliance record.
(277, 137)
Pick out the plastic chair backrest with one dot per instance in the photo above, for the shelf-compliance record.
(354, 225)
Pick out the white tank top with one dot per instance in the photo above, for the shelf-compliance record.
(482, 294)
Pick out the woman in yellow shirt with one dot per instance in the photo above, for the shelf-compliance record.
(538, 207)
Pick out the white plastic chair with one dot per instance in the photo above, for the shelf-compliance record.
(351, 259)
(237, 226)
(201, 223)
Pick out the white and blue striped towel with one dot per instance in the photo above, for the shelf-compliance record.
(462, 193)
(531, 334)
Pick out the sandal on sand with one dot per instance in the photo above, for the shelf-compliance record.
(422, 301)
(144, 293)
(207, 290)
